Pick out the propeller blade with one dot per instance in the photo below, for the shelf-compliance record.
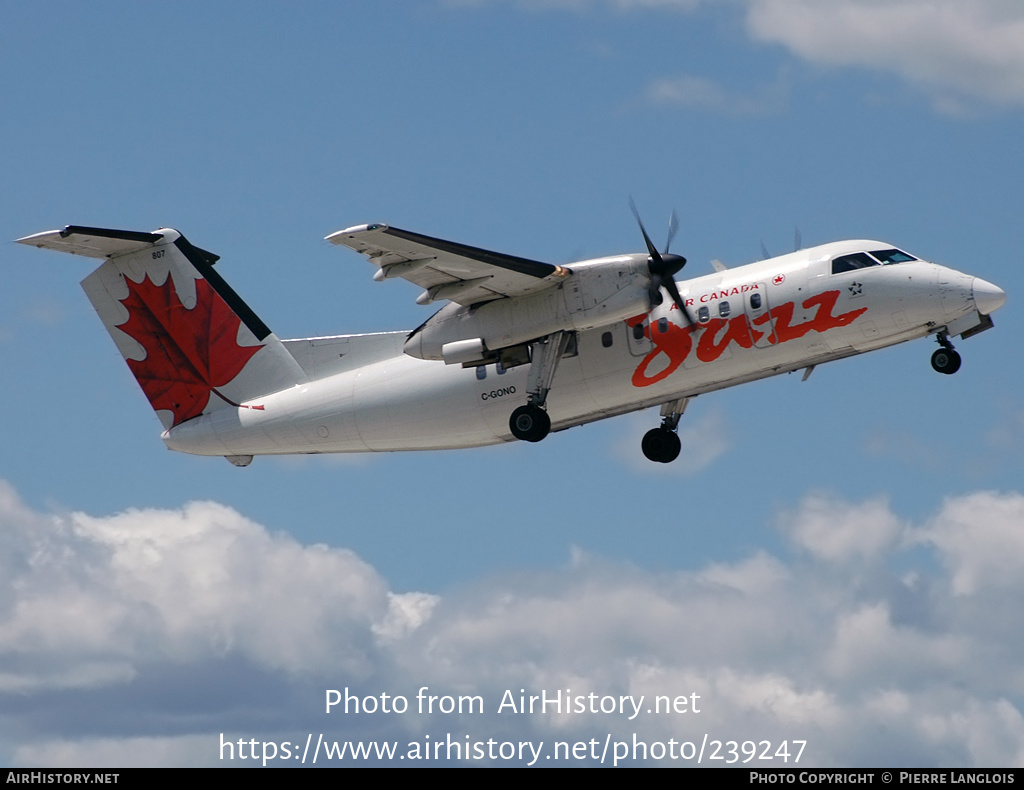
(673, 291)
(662, 267)
(764, 252)
(798, 239)
(654, 297)
(673, 226)
(647, 239)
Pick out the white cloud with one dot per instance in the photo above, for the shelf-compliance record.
(139, 638)
(837, 532)
(981, 541)
(702, 93)
(959, 53)
(866, 643)
(953, 50)
(98, 596)
(406, 613)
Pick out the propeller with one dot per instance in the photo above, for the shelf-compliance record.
(798, 243)
(663, 266)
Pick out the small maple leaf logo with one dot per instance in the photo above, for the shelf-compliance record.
(189, 353)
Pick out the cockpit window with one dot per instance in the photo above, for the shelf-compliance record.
(893, 256)
(847, 263)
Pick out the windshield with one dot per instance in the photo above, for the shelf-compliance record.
(861, 260)
(847, 263)
(892, 256)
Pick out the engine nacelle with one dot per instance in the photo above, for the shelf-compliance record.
(597, 293)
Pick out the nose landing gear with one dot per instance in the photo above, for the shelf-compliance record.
(945, 359)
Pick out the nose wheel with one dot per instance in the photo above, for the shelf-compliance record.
(945, 359)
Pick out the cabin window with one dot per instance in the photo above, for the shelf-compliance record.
(638, 331)
(847, 263)
(724, 309)
(606, 339)
(662, 325)
(703, 315)
(481, 372)
(755, 301)
(500, 368)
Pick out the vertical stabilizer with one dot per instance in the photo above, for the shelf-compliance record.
(189, 339)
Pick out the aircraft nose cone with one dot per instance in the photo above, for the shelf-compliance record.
(987, 297)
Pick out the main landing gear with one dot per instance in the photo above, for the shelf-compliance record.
(662, 445)
(945, 360)
(531, 423)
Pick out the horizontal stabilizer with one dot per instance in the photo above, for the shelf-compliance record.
(93, 242)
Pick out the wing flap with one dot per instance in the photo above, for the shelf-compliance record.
(446, 269)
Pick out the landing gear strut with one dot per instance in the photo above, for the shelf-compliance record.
(530, 423)
(662, 445)
(945, 360)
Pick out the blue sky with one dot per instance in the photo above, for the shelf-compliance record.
(872, 509)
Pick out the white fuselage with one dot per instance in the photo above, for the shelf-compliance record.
(364, 394)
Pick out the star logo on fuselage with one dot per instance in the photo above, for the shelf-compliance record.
(856, 288)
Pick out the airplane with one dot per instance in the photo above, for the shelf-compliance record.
(519, 349)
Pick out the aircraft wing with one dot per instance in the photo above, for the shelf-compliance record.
(448, 270)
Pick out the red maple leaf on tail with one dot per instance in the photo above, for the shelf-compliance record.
(189, 353)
